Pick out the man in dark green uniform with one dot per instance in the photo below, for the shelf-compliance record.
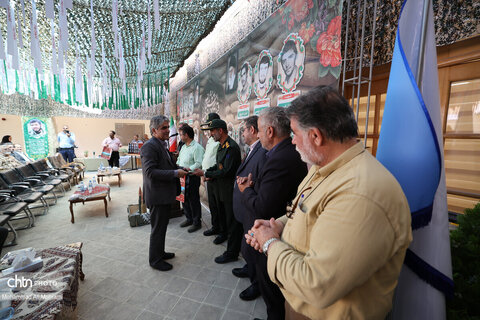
(223, 173)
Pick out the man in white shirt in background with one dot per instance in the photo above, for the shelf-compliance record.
(114, 144)
(209, 160)
(190, 158)
(66, 144)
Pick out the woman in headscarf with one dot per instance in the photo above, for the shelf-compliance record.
(6, 140)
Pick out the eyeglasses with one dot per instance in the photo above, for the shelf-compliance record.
(299, 201)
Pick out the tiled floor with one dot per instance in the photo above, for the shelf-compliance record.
(119, 284)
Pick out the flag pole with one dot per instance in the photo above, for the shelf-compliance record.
(421, 49)
(372, 51)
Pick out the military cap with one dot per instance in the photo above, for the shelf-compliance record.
(215, 124)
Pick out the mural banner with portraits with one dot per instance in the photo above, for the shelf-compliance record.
(35, 132)
(294, 50)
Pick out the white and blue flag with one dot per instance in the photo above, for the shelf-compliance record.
(410, 147)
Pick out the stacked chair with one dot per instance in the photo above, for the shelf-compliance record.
(30, 186)
(13, 178)
(77, 168)
(12, 208)
(27, 172)
(41, 167)
(25, 194)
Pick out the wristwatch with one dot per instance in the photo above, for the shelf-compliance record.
(267, 244)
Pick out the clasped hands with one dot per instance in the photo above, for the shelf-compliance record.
(244, 182)
(263, 230)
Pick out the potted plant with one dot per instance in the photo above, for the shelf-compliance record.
(465, 246)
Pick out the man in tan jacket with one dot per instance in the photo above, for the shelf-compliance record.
(338, 250)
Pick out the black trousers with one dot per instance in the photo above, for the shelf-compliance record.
(114, 158)
(159, 216)
(248, 254)
(233, 229)
(3, 237)
(212, 194)
(271, 294)
(191, 206)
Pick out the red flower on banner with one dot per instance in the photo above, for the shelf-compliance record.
(305, 33)
(300, 9)
(328, 45)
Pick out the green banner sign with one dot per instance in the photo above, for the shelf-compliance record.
(35, 132)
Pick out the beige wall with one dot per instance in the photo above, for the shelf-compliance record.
(12, 125)
(90, 132)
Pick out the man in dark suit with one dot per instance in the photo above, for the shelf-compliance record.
(160, 186)
(269, 194)
(252, 165)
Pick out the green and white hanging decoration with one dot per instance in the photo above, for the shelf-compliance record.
(137, 54)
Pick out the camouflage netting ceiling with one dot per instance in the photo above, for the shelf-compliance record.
(454, 21)
(183, 23)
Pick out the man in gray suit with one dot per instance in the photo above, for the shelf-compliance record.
(160, 186)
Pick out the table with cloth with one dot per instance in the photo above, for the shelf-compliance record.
(99, 192)
(55, 285)
(108, 172)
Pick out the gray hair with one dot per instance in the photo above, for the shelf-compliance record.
(277, 118)
(327, 110)
(156, 122)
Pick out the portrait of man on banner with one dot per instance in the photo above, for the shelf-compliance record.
(190, 104)
(231, 74)
(245, 82)
(196, 93)
(36, 128)
(212, 96)
(291, 62)
(35, 132)
(263, 74)
(186, 109)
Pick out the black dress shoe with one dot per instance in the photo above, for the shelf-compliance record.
(240, 272)
(220, 239)
(168, 255)
(194, 228)
(162, 266)
(186, 223)
(251, 293)
(225, 258)
(210, 232)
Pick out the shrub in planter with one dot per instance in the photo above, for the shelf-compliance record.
(465, 247)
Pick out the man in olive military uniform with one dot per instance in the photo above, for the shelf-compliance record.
(223, 173)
